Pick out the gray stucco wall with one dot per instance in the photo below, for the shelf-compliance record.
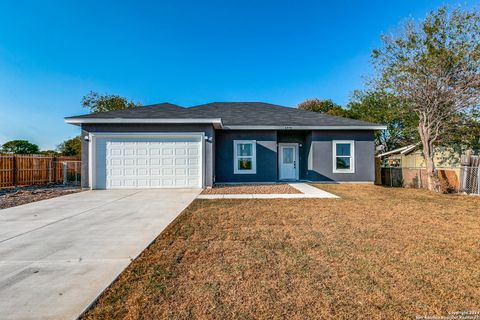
(84, 169)
(206, 128)
(320, 155)
(316, 158)
(266, 155)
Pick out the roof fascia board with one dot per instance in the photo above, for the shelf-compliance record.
(248, 127)
(216, 122)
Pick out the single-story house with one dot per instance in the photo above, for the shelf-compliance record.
(169, 146)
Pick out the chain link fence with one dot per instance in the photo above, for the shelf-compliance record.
(71, 172)
(470, 180)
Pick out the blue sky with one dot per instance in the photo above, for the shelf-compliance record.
(186, 52)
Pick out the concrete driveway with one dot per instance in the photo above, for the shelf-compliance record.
(58, 255)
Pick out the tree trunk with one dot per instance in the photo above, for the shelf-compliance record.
(428, 154)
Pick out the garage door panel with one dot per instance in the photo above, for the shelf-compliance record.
(128, 172)
(167, 161)
(153, 162)
(192, 151)
(142, 152)
(167, 171)
(180, 161)
(180, 152)
(115, 183)
(155, 171)
(115, 162)
(142, 172)
(167, 151)
(142, 161)
(116, 151)
(128, 151)
(128, 161)
(155, 151)
(167, 182)
(180, 172)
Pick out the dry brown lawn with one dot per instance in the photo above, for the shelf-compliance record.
(280, 188)
(376, 253)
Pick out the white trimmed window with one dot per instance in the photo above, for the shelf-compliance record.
(245, 156)
(343, 156)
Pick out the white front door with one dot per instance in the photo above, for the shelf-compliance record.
(288, 161)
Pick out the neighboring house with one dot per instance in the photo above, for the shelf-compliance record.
(412, 157)
(164, 146)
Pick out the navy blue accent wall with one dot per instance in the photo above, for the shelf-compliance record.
(266, 155)
(320, 155)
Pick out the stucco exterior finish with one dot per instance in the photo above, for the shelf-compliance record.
(130, 128)
(266, 155)
(315, 151)
(320, 155)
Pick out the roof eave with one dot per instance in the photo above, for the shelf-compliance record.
(216, 122)
(344, 127)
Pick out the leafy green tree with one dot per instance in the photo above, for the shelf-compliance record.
(19, 147)
(465, 132)
(384, 108)
(323, 106)
(71, 147)
(102, 103)
(434, 65)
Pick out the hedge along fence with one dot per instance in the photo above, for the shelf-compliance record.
(23, 170)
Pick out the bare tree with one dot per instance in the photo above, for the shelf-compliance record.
(435, 66)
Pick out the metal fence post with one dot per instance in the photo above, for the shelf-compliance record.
(391, 178)
(478, 180)
(75, 171)
(65, 167)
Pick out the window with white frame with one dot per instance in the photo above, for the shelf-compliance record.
(245, 156)
(343, 156)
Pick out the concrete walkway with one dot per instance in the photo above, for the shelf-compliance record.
(307, 192)
(58, 255)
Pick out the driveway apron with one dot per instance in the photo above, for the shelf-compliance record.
(58, 255)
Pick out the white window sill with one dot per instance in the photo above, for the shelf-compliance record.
(244, 172)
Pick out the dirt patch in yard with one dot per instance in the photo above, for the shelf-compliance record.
(11, 197)
(376, 253)
(281, 188)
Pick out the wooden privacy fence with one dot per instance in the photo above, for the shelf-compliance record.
(417, 178)
(22, 170)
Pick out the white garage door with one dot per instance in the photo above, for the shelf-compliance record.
(160, 162)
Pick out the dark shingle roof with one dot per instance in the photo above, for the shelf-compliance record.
(232, 113)
(141, 112)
